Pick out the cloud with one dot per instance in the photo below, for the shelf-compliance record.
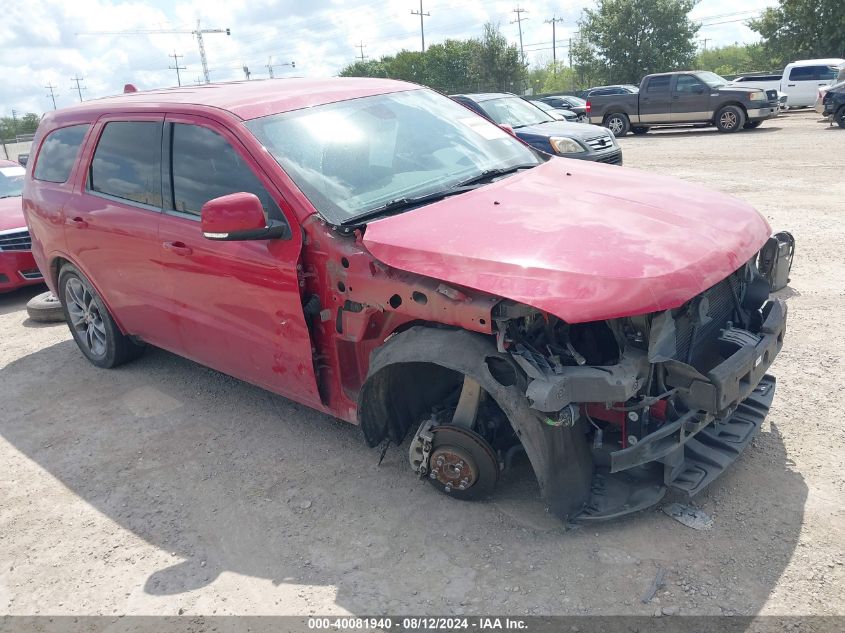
(50, 41)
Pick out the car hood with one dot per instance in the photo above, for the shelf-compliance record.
(11, 214)
(580, 240)
(579, 131)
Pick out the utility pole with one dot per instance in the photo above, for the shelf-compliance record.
(361, 48)
(14, 122)
(198, 81)
(177, 67)
(704, 41)
(52, 94)
(553, 20)
(79, 88)
(422, 27)
(518, 21)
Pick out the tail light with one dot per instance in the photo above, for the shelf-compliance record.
(589, 107)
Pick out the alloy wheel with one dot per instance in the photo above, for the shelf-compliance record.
(728, 120)
(614, 124)
(85, 317)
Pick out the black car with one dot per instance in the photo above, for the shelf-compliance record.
(833, 104)
(537, 128)
(567, 102)
(603, 91)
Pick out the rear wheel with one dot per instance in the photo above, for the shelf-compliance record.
(638, 130)
(730, 119)
(95, 332)
(750, 125)
(617, 123)
(840, 117)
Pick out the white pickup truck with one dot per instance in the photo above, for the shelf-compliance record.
(800, 80)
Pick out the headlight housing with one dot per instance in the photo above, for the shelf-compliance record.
(563, 145)
(757, 96)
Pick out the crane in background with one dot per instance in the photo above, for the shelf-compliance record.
(271, 66)
(197, 32)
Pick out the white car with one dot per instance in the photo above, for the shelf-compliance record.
(802, 79)
(764, 82)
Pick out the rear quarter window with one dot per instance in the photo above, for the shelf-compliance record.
(659, 84)
(58, 153)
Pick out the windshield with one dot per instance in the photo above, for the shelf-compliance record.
(11, 181)
(712, 79)
(355, 156)
(514, 111)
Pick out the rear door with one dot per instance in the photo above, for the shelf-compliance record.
(802, 84)
(690, 99)
(235, 306)
(655, 100)
(111, 226)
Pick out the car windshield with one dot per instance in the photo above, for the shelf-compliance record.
(712, 79)
(514, 111)
(11, 181)
(353, 157)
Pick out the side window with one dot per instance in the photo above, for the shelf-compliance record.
(826, 73)
(686, 84)
(659, 84)
(802, 73)
(58, 153)
(205, 166)
(127, 162)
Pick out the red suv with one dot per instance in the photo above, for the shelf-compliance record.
(373, 250)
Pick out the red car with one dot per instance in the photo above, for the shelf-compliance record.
(373, 250)
(17, 267)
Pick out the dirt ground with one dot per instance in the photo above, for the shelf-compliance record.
(164, 487)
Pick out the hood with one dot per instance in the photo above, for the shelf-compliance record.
(738, 89)
(11, 214)
(580, 240)
(579, 131)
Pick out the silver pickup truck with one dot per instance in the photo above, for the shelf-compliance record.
(683, 98)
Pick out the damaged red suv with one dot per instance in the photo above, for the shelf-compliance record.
(372, 250)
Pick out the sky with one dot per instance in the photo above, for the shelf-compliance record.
(49, 42)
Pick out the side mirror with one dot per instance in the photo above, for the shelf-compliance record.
(237, 217)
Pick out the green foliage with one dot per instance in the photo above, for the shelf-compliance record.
(488, 64)
(802, 29)
(737, 59)
(25, 125)
(622, 40)
(551, 77)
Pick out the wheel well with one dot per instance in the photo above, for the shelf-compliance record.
(55, 269)
(610, 114)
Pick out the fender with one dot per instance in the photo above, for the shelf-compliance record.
(559, 456)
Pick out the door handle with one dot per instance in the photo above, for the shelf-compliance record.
(78, 223)
(790, 85)
(177, 248)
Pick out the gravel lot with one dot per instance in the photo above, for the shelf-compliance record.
(164, 487)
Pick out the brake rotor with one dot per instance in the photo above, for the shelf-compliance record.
(462, 463)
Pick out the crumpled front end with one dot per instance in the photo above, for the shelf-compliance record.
(665, 400)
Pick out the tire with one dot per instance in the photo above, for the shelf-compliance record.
(752, 125)
(840, 117)
(45, 308)
(729, 119)
(92, 327)
(639, 131)
(617, 123)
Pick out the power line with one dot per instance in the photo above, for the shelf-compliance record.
(177, 67)
(52, 94)
(422, 27)
(518, 21)
(79, 88)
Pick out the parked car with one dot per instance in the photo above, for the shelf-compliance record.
(833, 104)
(373, 250)
(17, 267)
(683, 98)
(769, 83)
(604, 91)
(802, 79)
(22, 158)
(568, 102)
(534, 126)
(558, 114)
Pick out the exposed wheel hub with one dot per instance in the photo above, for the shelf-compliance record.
(453, 467)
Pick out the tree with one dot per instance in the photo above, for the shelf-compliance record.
(448, 65)
(736, 59)
(26, 124)
(496, 65)
(371, 68)
(802, 29)
(632, 38)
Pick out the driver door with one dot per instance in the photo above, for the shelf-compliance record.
(690, 100)
(235, 306)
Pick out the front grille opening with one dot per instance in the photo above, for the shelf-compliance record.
(16, 241)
